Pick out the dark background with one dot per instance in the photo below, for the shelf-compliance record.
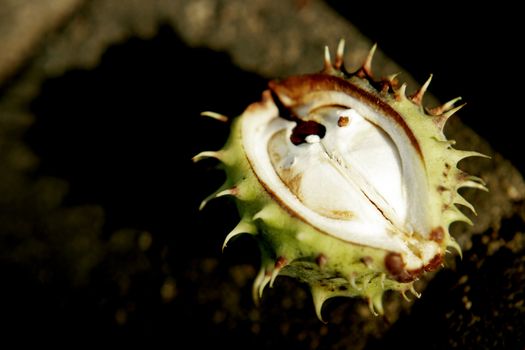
(139, 105)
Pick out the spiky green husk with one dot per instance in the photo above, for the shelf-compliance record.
(331, 267)
(292, 247)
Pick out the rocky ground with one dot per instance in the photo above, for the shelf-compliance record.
(99, 118)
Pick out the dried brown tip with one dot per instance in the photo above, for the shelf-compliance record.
(400, 93)
(417, 97)
(441, 119)
(366, 69)
(444, 107)
(392, 80)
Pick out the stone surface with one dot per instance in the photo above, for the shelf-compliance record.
(24, 25)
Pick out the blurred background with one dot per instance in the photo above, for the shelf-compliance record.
(100, 236)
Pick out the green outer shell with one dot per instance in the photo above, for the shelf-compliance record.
(330, 266)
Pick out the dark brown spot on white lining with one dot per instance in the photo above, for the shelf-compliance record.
(304, 129)
(343, 121)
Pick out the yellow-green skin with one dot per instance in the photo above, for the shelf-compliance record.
(332, 267)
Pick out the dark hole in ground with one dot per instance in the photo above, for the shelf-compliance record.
(124, 133)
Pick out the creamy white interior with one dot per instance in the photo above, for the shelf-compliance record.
(351, 184)
(356, 161)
